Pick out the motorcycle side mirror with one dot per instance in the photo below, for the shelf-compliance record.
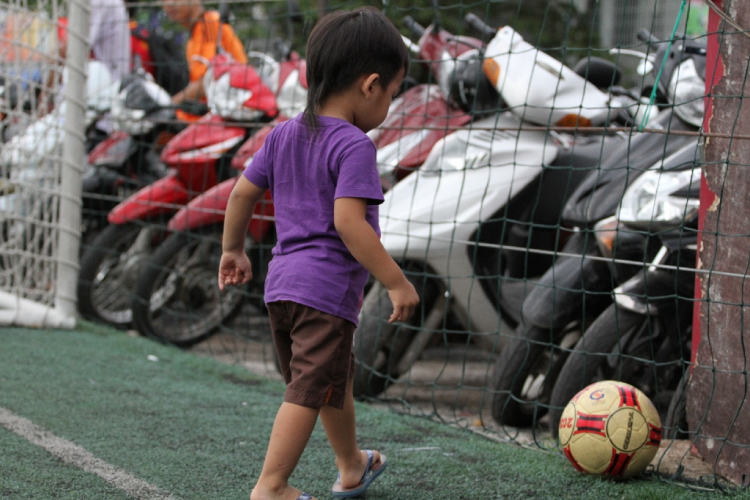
(294, 12)
(475, 22)
(436, 17)
(645, 35)
(416, 29)
(224, 13)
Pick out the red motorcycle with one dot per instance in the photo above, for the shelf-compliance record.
(128, 158)
(176, 297)
(426, 113)
(198, 158)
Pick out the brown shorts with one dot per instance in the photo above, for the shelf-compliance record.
(315, 353)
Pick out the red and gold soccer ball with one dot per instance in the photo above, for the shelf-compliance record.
(610, 429)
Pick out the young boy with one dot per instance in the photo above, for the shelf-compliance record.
(321, 170)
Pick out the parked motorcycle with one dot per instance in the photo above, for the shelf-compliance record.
(176, 296)
(461, 225)
(427, 112)
(199, 158)
(644, 337)
(577, 288)
(128, 159)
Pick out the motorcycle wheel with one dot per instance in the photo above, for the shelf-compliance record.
(524, 373)
(177, 298)
(620, 345)
(675, 425)
(109, 268)
(379, 346)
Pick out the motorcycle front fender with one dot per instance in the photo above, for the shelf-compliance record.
(113, 151)
(571, 282)
(416, 121)
(468, 176)
(163, 197)
(210, 208)
(205, 210)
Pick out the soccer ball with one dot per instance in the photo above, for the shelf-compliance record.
(610, 429)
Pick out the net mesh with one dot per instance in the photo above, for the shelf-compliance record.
(29, 165)
(552, 193)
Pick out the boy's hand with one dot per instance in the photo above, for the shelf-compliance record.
(234, 269)
(404, 299)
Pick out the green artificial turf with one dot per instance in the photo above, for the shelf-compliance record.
(198, 429)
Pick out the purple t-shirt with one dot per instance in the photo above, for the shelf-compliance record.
(306, 172)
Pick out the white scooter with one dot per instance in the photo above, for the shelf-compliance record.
(480, 220)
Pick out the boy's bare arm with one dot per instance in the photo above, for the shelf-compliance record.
(234, 268)
(364, 244)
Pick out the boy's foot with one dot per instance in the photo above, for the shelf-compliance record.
(288, 494)
(374, 466)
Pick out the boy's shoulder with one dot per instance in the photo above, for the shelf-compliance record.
(329, 133)
(281, 132)
(343, 136)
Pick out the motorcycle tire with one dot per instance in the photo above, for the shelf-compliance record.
(523, 375)
(379, 345)
(109, 269)
(675, 425)
(177, 298)
(619, 345)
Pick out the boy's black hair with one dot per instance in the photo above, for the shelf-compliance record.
(345, 45)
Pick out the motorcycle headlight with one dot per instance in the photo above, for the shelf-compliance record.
(687, 91)
(660, 199)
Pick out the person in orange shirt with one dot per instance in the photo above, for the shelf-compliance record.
(204, 28)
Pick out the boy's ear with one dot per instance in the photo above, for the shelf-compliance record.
(368, 84)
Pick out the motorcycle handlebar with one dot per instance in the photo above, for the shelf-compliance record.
(645, 35)
(413, 26)
(193, 107)
(475, 22)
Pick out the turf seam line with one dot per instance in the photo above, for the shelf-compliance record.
(77, 456)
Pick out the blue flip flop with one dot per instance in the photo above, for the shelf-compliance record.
(368, 477)
(304, 496)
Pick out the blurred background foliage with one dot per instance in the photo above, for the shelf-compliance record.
(563, 28)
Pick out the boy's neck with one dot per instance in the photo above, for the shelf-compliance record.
(336, 108)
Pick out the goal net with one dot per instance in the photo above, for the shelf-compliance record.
(41, 155)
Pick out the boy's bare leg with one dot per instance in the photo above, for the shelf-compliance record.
(340, 427)
(291, 432)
